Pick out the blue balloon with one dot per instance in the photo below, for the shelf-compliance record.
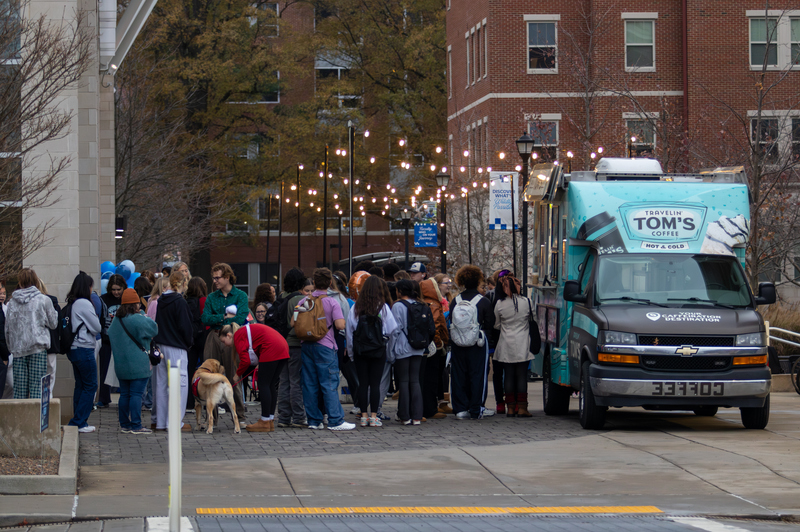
(133, 277)
(124, 271)
(106, 275)
(107, 266)
(129, 264)
(103, 285)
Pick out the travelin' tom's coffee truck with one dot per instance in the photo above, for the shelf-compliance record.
(642, 298)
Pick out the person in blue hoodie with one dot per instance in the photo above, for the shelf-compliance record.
(174, 338)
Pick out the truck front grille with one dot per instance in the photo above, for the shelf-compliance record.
(697, 341)
(679, 363)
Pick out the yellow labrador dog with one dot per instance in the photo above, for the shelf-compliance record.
(211, 386)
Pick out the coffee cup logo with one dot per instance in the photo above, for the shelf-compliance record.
(654, 316)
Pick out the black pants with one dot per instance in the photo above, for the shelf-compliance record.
(347, 367)
(269, 374)
(194, 355)
(429, 376)
(515, 375)
(370, 371)
(444, 375)
(497, 380)
(104, 394)
(469, 375)
(406, 371)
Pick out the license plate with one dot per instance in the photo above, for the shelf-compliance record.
(688, 388)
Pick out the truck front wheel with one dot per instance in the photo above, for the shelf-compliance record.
(555, 398)
(592, 417)
(756, 417)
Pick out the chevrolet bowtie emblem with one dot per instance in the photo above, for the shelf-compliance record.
(655, 342)
(686, 351)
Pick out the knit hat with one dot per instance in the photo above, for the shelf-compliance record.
(129, 296)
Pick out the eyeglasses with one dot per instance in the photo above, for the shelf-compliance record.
(261, 312)
(447, 282)
(216, 278)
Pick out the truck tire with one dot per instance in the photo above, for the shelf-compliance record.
(706, 411)
(592, 417)
(756, 417)
(555, 398)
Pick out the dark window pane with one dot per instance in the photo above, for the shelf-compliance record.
(541, 58)
(541, 33)
(757, 54)
(796, 54)
(10, 179)
(241, 273)
(640, 56)
(11, 238)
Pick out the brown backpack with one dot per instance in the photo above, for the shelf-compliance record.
(311, 325)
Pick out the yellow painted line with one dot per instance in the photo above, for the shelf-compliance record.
(427, 510)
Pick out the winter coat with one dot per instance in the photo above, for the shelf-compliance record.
(514, 340)
(431, 296)
(268, 345)
(131, 361)
(29, 318)
(174, 322)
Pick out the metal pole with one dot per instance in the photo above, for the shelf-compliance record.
(351, 133)
(469, 231)
(513, 230)
(280, 233)
(269, 227)
(174, 415)
(325, 209)
(524, 226)
(405, 265)
(444, 233)
(298, 216)
(340, 240)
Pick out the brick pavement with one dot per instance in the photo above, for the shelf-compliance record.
(107, 446)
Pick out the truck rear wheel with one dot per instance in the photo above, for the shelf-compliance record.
(706, 411)
(555, 398)
(756, 417)
(592, 417)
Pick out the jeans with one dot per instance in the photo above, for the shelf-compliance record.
(147, 395)
(409, 405)
(290, 390)
(130, 403)
(321, 377)
(268, 376)
(84, 367)
(370, 371)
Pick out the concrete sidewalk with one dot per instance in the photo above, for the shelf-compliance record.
(678, 462)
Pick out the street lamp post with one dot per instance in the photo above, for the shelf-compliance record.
(406, 215)
(299, 167)
(524, 147)
(280, 231)
(351, 133)
(442, 179)
(325, 208)
(269, 227)
(469, 228)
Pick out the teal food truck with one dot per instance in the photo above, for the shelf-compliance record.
(641, 294)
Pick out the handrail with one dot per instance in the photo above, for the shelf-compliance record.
(784, 331)
(781, 340)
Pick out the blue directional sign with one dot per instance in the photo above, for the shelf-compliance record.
(425, 236)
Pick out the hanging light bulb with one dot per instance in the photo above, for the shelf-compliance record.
(438, 149)
(336, 196)
(338, 151)
(394, 190)
(300, 166)
(319, 209)
(518, 168)
(395, 200)
(402, 142)
(383, 213)
(600, 149)
(310, 192)
(502, 155)
(294, 187)
(388, 186)
(330, 176)
(535, 156)
(462, 169)
(488, 168)
(322, 174)
(474, 184)
(296, 204)
(485, 185)
(287, 200)
(336, 206)
(372, 160)
(374, 200)
(357, 181)
(369, 187)
(466, 153)
(433, 168)
(366, 133)
(346, 180)
(311, 204)
(340, 213)
(344, 153)
(480, 170)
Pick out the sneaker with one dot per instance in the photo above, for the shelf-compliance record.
(282, 425)
(417, 422)
(381, 415)
(222, 410)
(98, 404)
(318, 427)
(87, 428)
(462, 415)
(355, 411)
(299, 425)
(190, 411)
(344, 426)
(487, 412)
(142, 430)
(374, 422)
(125, 431)
(406, 422)
(363, 420)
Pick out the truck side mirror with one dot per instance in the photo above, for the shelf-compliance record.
(572, 292)
(766, 294)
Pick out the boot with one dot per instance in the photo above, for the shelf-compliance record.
(501, 407)
(522, 405)
(511, 405)
(271, 425)
(444, 408)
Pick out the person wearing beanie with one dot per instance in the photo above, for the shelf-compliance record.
(130, 335)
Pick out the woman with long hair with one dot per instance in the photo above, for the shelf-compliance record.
(182, 267)
(260, 312)
(196, 294)
(112, 299)
(373, 301)
(511, 312)
(407, 360)
(86, 325)
(174, 339)
(143, 288)
(130, 335)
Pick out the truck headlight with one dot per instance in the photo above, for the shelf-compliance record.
(751, 340)
(616, 338)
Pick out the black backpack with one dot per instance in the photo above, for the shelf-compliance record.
(420, 328)
(368, 340)
(278, 315)
(65, 335)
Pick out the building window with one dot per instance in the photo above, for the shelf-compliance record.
(545, 139)
(542, 47)
(795, 37)
(763, 42)
(485, 50)
(796, 138)
(466, 39)
(640, 53)
(328, 76)
(450, 71)
(765, 137)
(642, 138)
(478, 52)
(270, 17)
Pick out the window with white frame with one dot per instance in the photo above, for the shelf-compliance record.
(641, 137)
(328, 76)
(774, 39)
(765, 137)
(450, 71)
(796, 139)
(270, 17)
(469, 64)
(545, 139)
(640, 45)
(542, 43)
(485, 50)
(478, 52)
(776, 134)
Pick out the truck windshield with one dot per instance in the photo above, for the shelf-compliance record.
(675, 280)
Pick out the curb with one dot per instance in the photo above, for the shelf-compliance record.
(65, 483)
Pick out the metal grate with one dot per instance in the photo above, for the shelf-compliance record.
(679, 363)
(701, 341)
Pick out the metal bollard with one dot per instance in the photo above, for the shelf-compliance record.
(174, 439)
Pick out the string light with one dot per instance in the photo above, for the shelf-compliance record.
(502, 155)
(462, 169)
(402, 142)
(372, 160)
(438, 149)
(294, 187)
(518, 168)
(433, 168)
(466, 153)
(488, 168)
(366, 133)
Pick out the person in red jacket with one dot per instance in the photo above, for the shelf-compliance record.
(266, 345)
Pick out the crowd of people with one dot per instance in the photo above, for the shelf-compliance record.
(430, 341)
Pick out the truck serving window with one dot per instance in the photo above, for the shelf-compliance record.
(674, 280)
